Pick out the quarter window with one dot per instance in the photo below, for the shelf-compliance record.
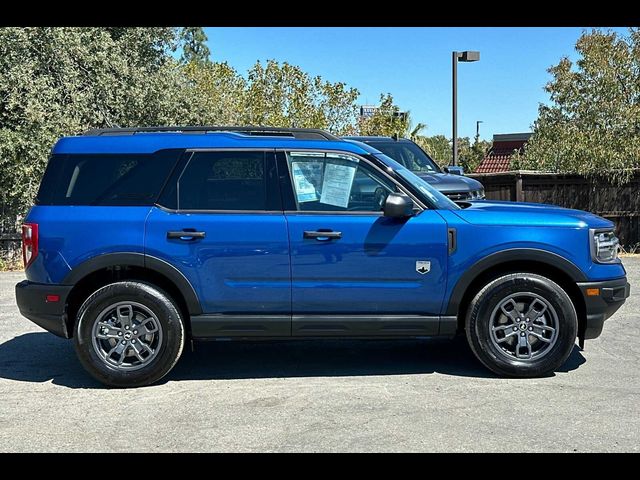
(336, 182)
(106, 179)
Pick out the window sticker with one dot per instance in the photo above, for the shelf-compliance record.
(307, 178)
(336, 186)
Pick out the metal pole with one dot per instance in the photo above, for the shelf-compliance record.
(454, 76)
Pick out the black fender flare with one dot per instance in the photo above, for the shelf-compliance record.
(135, 259)
(513, 254)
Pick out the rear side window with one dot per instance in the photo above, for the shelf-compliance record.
(106, 179)
(224, 180)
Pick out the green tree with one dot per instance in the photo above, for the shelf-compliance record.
(283, 95)
(471, 154)
(592, 125)
(438, 147)
(194, 45)
(386, 120)
(62, 81)
(415, 131)
(217, 92)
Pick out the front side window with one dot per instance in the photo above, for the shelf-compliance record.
(336, 183)
(223, 180)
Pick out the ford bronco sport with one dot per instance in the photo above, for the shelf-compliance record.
(143, 239)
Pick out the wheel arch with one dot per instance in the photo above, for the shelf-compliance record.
(102, 270)
(541, 262)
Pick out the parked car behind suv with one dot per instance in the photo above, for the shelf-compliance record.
(142, 240)
(451, 182)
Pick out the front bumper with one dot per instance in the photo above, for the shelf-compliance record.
(612, 294)
(50, 315)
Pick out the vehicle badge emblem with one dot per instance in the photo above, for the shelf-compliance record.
(423, 266)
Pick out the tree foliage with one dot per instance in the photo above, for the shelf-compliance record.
(283, 95)
(592, 125)
(194, 45)
(61, 81)
(438, 147)
(386, 120)
(469, 154)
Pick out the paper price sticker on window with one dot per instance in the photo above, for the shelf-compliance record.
(336, 187)
(307, 178)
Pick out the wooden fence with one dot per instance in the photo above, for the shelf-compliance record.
(620, 204)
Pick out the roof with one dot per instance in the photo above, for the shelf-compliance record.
(365, 146)
(374, 138)
(494, 163)
(512, 137)
(505, 148)
(498, 159)
(301, 133)
(148, 142)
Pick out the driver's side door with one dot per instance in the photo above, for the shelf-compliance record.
(354, 271)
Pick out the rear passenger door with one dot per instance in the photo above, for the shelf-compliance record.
(220, 222)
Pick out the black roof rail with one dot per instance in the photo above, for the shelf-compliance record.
(299, 133)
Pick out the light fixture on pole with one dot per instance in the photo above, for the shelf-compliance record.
(478, 122)
(466, 56)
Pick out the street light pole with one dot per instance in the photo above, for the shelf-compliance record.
(454, 76)
(466, 56)
(478, 122)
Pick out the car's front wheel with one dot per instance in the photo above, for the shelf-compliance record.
(522, 325)
(129, 334)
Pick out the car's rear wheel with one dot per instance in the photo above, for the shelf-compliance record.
(129, 334)
(522, 325)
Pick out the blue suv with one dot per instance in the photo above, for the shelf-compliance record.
(143, 239)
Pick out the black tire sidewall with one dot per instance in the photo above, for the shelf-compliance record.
(162, 307)
(478, 325)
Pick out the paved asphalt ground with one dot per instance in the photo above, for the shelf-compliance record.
(322, 396)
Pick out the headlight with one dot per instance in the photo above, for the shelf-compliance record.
(604, 246)
(476, 194)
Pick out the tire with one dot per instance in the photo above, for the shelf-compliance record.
(511, 347)
(137, 359)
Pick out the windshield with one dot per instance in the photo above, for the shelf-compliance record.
(429, 194)
(409, 155)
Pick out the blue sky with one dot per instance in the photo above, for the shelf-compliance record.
(503, 90)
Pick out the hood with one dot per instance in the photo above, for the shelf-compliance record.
(446, 182)
(489, 212)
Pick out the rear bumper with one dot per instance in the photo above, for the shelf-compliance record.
(32, 303)
(612, 294)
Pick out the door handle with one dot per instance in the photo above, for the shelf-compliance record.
(322, 235)
(185, 235)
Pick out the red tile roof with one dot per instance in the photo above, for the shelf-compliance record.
(494, 163)
(499, 157)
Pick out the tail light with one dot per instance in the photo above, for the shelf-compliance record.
(29, 243)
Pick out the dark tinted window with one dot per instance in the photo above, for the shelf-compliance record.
(224, 181)
(111, 179)
(408, 154)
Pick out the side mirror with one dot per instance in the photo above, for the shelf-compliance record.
(454, 170)
(398, 205)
